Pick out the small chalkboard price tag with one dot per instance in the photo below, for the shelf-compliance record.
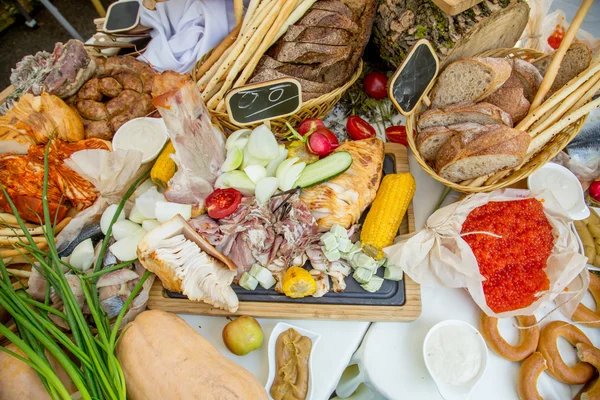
(414, 77)
(263, 101)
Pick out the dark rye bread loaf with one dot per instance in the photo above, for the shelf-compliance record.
(323, 49)
(480, 113)
(576, 60)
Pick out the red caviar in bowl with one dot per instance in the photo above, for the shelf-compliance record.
(514, 264)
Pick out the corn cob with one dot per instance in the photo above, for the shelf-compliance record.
(164, 168)
(387, 211)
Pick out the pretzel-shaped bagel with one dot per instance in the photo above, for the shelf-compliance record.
(529, 373)
(528, 341)
(591, 355)
(584, 314)
(578, 374)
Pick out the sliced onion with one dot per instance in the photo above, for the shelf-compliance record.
(262, 143)
(166, 210)
(255, 172)
(108, 215)
(265, 188)
(250, 160)
(126, 249)
(291, 176)
(237, 180)
(146, 203)
(232, 140)
(122, 229)
(136, 216)
(143, 188)
(82, 256)
(273, 164)
(233, 161)
(284, 167)
(150, 224)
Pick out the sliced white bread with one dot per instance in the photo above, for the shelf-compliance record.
(512, 100)
(480, 113)
(576, 60)
(430, 140)
(470, 80)
(476, 153)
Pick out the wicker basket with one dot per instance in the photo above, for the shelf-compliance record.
(313, 108)
(549, 151)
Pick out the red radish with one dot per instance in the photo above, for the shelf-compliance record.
(322, 142)
(396, 134)
(359, 129)
(595, 191)
(376, 85)
(311, 124)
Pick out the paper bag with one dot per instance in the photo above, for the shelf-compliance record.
(437, 255)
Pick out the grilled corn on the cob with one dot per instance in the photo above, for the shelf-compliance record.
(386, 214)
(164, 168)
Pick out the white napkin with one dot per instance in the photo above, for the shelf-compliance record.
(185, 30)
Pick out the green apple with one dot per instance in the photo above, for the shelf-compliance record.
(243, 335)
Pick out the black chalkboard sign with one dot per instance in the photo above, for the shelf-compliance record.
(414, 77)
(122, 16)
(263, 101)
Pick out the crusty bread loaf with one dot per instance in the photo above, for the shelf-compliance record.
(476, 153)
(309, 53)
(430, 140)
(512, 100)
(470, 80)
(317, 34)
(480, 113)
(307, 86)
(327, 19)
(334, 6)
(577, 59)
(528, 75)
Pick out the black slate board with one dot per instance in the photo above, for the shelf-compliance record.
(414, 77)
(392, 293)
(263, 101)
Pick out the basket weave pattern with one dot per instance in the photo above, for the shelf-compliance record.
(313, 108)
(549, 151)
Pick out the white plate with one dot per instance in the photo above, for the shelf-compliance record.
(278, 330)
(122, 141)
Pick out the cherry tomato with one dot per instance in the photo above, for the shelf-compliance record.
(396, 134)
(376, 85)
(311, 124)
(359, 129)
(595, 191)
(223, 202)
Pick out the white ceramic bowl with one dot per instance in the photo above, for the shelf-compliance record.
(279, 329)
(123, 140)
(578, 211)
(456, 392)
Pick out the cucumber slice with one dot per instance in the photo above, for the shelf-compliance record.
(324, 169)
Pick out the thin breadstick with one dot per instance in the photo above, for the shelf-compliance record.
(250, 48)
(238, 9)
(539, 141)
(259, 14)
(467, 182)
(12, 252)
(19, 272)
(560, 53)
(587, 96)
(478, 181)
(299, 10)
(17, 231)
(544, 117)
(10, 240)
(249, 13)
(241, 45)
(15, 260)
(216, 89)
(266, 43)
(218, 51)
(565, 105)
(558, 96)
(204, 79)
(8, 218)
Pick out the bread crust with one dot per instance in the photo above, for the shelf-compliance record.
(528, 340)
(496, 114)
(583, 313)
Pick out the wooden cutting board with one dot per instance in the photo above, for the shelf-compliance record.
(453, 7)
(407, 312)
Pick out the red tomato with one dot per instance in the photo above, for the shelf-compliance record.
(223, 202)
(311, 124)
(396, 134)
(376, 85)
(359, 129)
(595, 191)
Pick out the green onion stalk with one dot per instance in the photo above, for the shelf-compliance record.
(87, 357)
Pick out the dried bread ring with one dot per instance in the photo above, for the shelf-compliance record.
(529, 373)
(584, 314)
(579, 373)
(528, 341)
(591, 355)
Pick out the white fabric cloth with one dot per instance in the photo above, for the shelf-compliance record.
(185, 30)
